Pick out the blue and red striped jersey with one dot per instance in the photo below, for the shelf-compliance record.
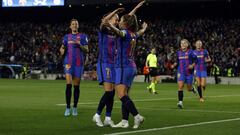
(201, 55)
(125, 49)
(185, 58)
(74, 55)
(106, 47)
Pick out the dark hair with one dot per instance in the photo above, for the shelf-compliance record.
(131, 22)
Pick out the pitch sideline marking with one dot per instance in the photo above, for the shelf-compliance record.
(172, 127)
(158, 99)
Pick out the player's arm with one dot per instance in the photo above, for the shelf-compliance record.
(109, 16)
(194, 59)
(147, 61)
(143, 29)
(176, 63)
(84, 48)
(83, 44)
(116, 30)
(207, 58)
(136, 8)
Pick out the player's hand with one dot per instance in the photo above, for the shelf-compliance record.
(140, 4)
(120, 10)
(106, 23)
(144, 25)
(173, 65)
(190, 66)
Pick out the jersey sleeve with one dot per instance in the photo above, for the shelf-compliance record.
(148, 57)
(194, 57)
(206, 54)
(65, 40)
(84, 40)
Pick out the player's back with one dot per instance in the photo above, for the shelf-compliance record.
(125, 50)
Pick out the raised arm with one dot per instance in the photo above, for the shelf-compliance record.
(143, 29)
(115, 30)
(137, 7)
(109, 16)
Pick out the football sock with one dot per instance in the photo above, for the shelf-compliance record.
(129, 105)
(180, 95)
(199, 91)
(102, 103)
(68, 94)
(109, 102)
(125, 112)
(76, 95)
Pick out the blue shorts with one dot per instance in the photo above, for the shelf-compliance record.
(105, 73)
(125, 76)
(188, 79)
(75, 71)
(201, 74)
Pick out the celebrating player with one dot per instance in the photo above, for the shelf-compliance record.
(186, 61)
(74, 47)
(125, 66)
(105, 68)
(201, 67)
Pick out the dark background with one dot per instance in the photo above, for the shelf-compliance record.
(89, 10)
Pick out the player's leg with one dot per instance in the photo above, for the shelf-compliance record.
(149, 88)
(109, 94)
(106, 75)
(180, 94)
(122, 86)
(68, 91)
(181, 80)
(78, 70)
(154, 86)
(203, 84)
(110, 91)
(199, 89)
(189, 81)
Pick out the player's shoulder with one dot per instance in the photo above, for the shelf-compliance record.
(66, 35)
(82, 34)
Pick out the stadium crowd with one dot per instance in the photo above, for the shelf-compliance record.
(37, 44)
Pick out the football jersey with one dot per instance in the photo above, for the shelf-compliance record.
(201, 55)
(125, 50)
(74, 55)
(106, 47)
(185, 58)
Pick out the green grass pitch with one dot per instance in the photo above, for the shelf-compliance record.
(36, 107)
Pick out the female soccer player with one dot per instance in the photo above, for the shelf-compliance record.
(125, 66)
(73, 49)
(201, 67)
(105, 68)
(186, 60)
